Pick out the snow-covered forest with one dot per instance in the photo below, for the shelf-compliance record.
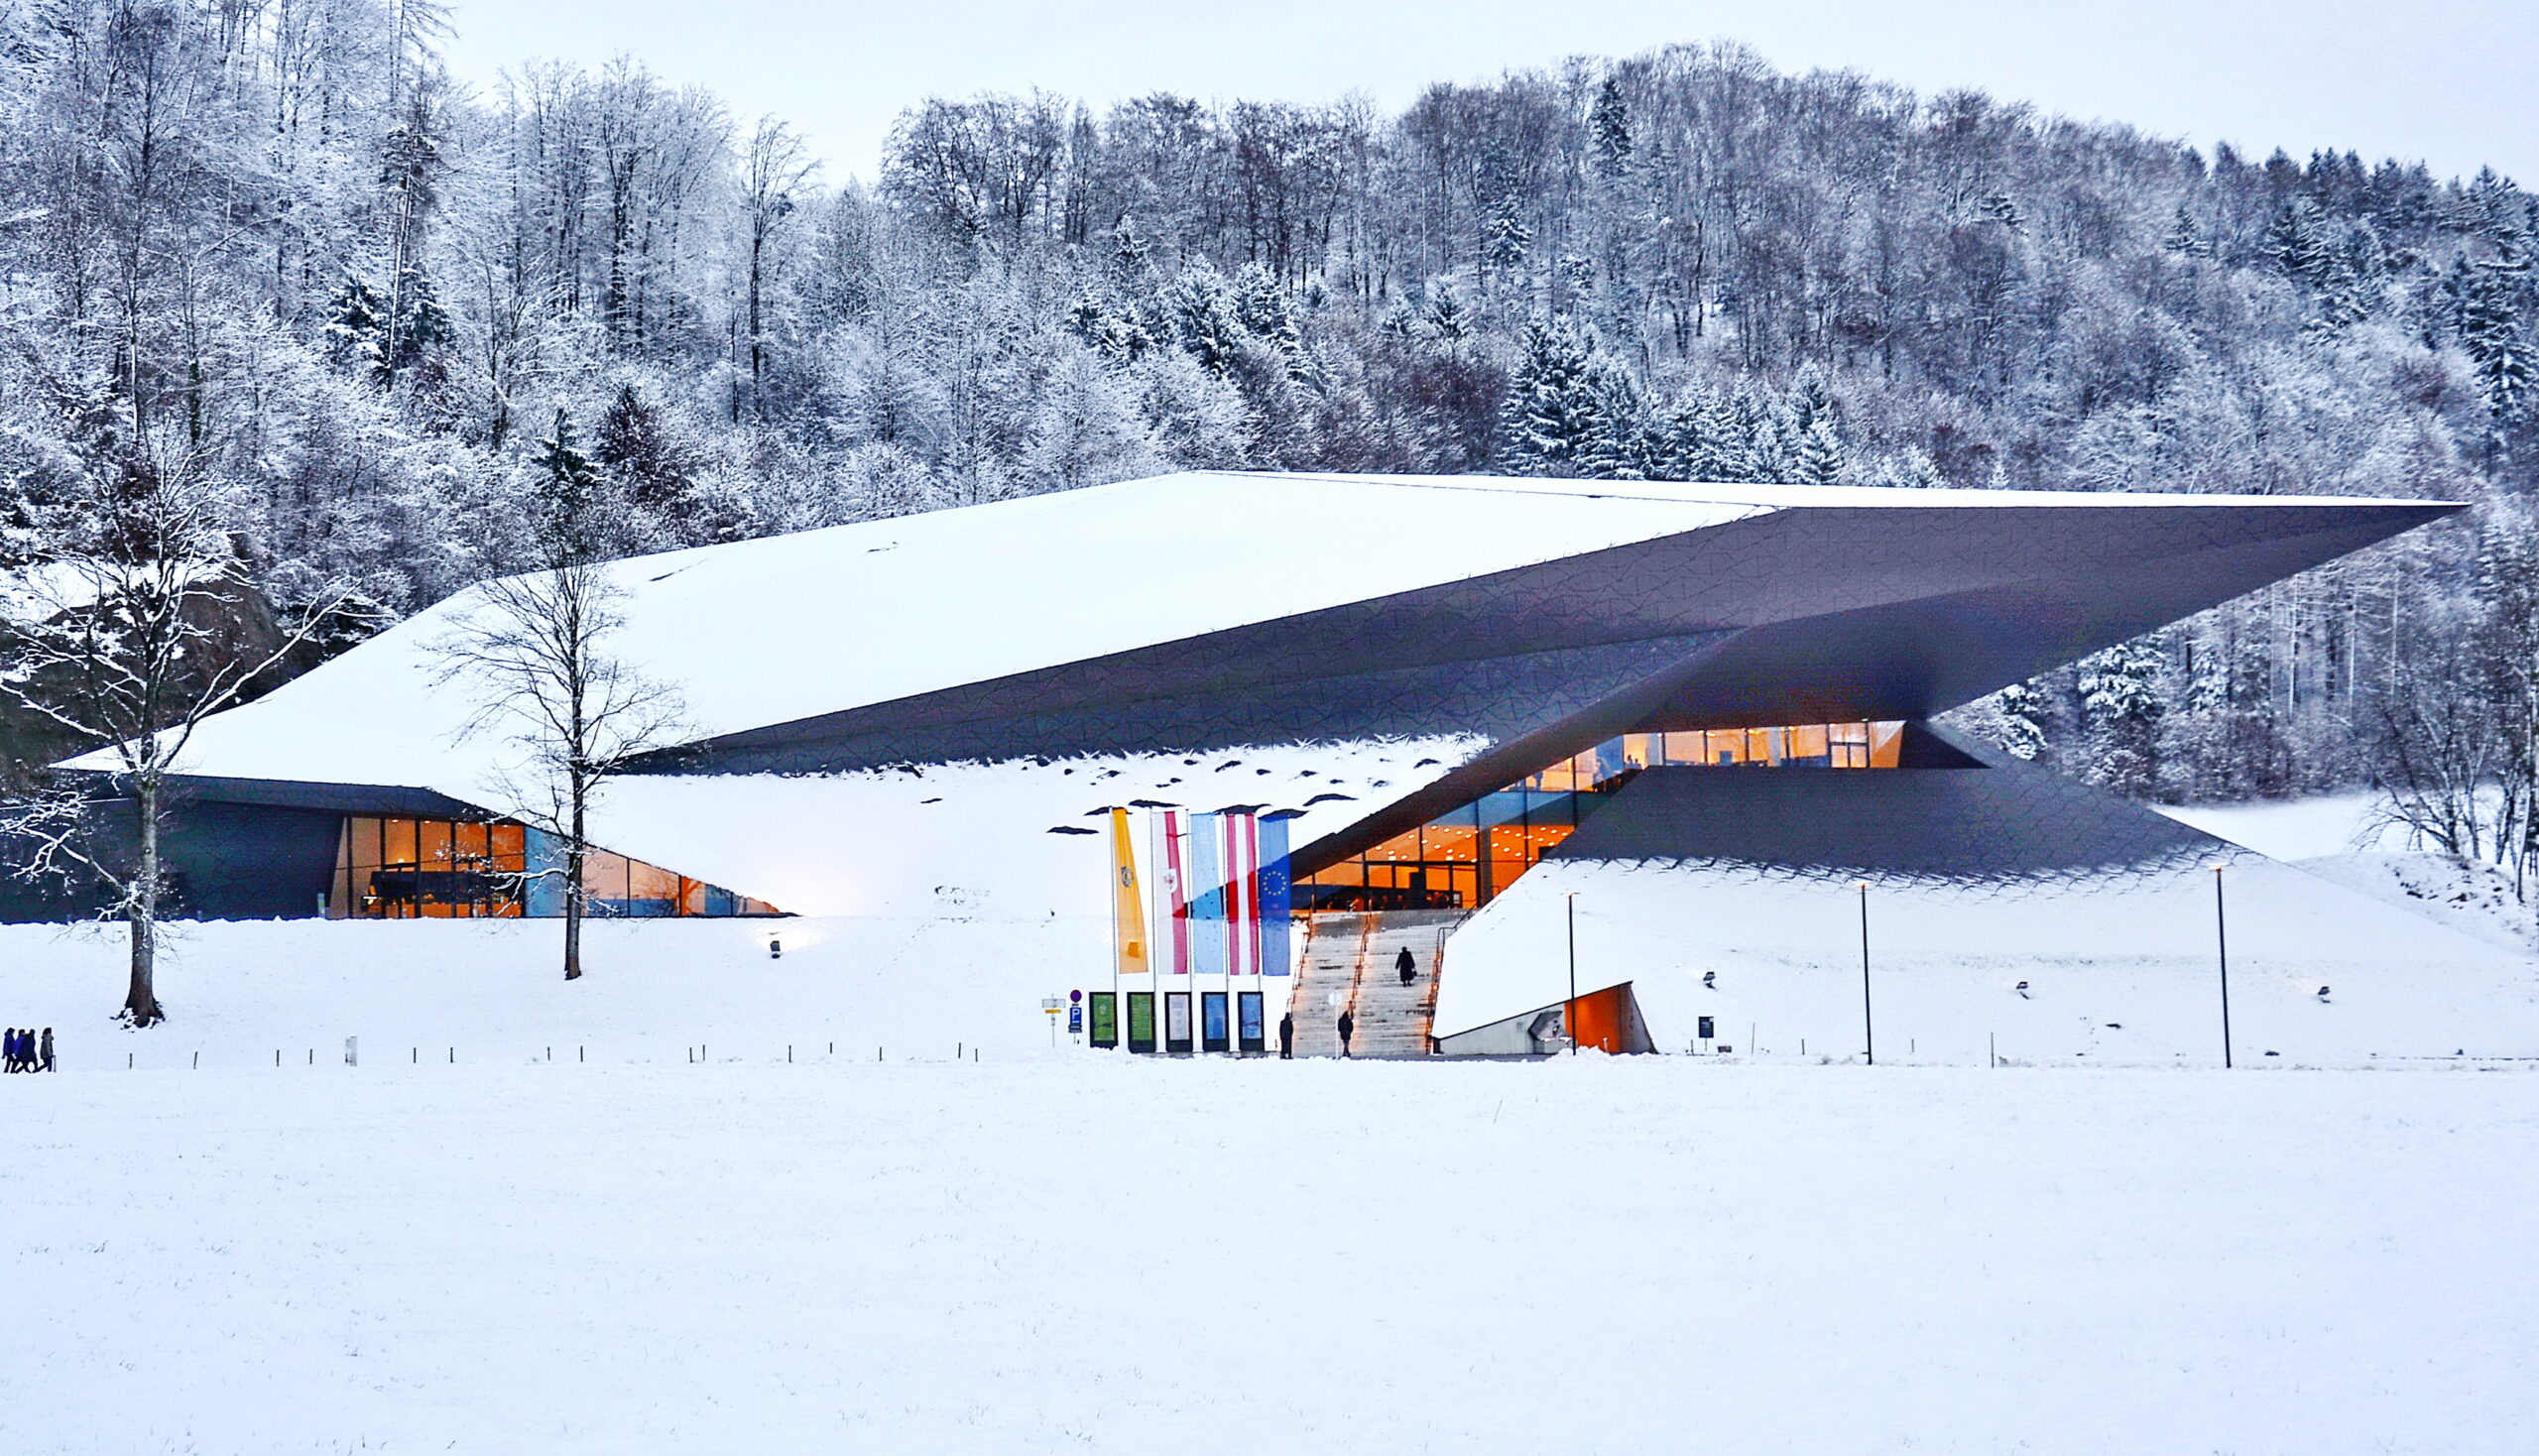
(390, 317)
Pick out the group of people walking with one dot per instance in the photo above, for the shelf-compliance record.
(28, 1051)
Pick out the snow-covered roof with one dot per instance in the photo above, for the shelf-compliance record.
(783, 628)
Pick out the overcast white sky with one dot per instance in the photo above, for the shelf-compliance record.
(2450, 81)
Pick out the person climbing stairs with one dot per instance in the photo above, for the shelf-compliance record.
(1352, 963)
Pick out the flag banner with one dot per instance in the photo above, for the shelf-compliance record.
(1171, 903)
(1243, 889)
(1207, 891)
(1273, 897)
(1128, 908)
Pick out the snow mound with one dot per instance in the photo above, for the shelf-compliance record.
(2475, 899)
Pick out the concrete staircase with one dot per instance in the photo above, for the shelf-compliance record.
(1349, 966)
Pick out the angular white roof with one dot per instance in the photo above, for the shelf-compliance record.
(782, 627)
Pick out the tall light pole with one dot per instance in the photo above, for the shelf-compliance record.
(1869, 1023)
(2222, 954)
(1570, 1012)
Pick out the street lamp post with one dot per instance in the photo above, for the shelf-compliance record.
(1571, 1011)
(1869, 1023)
(2222, 955)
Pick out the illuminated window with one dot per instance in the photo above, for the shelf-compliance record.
(388, 868)
(1463, 858)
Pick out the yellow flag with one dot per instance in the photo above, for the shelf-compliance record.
(1128, 908)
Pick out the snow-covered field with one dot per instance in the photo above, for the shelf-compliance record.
(1086, 1254)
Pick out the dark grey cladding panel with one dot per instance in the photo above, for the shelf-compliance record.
(226, 862)
(2011, 584)
(1503, 698)
(1914, 658)
(1972, 824)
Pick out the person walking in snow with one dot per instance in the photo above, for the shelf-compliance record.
(1407, 966)
(1348, 1024)
(1286, 1035)
(14, 1052)
(45, 1057)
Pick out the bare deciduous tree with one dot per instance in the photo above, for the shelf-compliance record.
(535, 650)
(129, 625)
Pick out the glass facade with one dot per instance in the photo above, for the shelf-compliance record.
(1464, 858)
(389, 867)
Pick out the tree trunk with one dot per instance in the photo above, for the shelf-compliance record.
(574, 853)
(141, 1000)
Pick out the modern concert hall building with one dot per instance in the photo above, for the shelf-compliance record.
(1702, 710)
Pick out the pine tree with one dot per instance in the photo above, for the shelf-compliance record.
(2488, 324)
(1810, 398)
(1505, 240)
(357, 330)
(424, 332)
(1697, 439)
(1609, 130)
(1554, 413)
(654, 471)
(2022, 731)
(1446, 314)
(1205, 316)
(2185, 238)
(1911, 469)
(2121, 705)
(1816, 456)
(570, 497)
(1616, 447)
(1129, 253)
(1754, 448)
(1264, 309)
(2297, 242)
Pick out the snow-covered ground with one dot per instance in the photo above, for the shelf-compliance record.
(2341, 838)
(2293, 828)
(1091, 1254)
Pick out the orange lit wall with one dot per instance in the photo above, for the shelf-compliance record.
(1597, 1020)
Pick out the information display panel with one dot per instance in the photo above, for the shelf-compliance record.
(1142, 1020)
(1212, 1023)
(1248, 1029)
(1176, 1022)
(1104, 1020)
